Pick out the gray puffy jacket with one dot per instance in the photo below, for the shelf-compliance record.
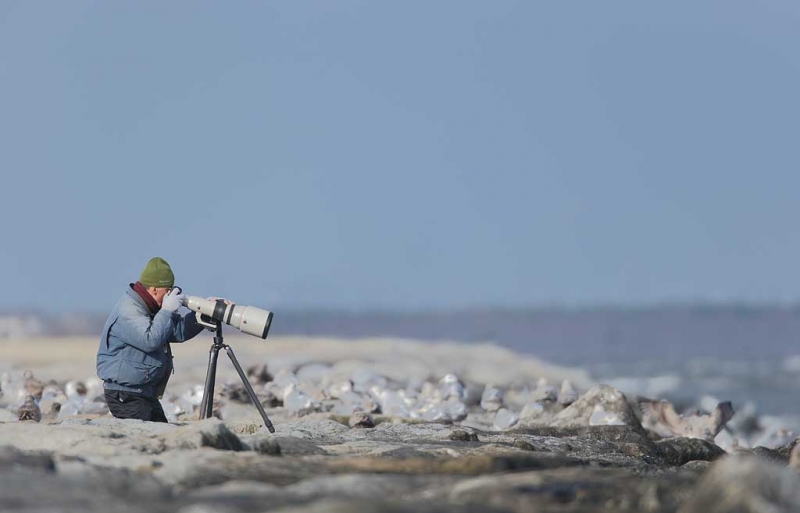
(134, 353)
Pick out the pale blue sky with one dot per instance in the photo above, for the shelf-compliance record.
(401, 155)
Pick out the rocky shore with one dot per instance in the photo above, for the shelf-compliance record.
(374, 426)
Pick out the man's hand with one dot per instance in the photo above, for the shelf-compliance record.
(173, 300)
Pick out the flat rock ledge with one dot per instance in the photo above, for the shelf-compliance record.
(317, 463)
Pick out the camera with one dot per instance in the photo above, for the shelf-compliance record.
(247, 319)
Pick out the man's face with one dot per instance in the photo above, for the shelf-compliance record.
(158, 293)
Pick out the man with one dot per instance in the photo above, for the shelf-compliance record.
(134, 359)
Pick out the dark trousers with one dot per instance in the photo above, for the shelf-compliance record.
(127, 405)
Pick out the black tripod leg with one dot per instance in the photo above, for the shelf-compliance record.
(207, 404)
(249, 389)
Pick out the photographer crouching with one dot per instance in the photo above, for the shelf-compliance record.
(134, 359)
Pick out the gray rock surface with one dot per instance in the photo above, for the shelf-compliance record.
(205, 433)
(744, 485)
(314, 462)
(405, 463)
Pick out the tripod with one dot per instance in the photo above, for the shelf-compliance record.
(207, 405)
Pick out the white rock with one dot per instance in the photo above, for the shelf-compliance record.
(504, 419)
(392, 404)
(351, 402)
(278, 391)
(68, 409)
(73, 390)
(428, 393)
(451, 387)
(600, 417)
(603, 397)
(296, 401)
(363, 379)
(409, 398)
(340, 388)
(369, 405)
(94, 387)
(13, 389)
(456, 410)
(193, 396)
(312, 390)
(94, 408)
(171, 410)
(54, 393)
(532, 412)
(567, 394)
(545, 391)
(492, 398)
(415, 383)
(431, 412)
(516, 398)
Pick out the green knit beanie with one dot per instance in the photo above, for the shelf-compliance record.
(157, 273)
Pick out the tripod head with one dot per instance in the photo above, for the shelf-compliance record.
(208, 323)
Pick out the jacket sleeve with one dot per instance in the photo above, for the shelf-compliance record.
(146, 335)
(186, 327)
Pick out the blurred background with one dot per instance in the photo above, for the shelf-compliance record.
(611, 187)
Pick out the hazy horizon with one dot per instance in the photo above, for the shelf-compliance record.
(641, 306)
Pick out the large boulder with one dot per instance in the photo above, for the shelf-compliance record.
(602, 398)
(679, 451)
